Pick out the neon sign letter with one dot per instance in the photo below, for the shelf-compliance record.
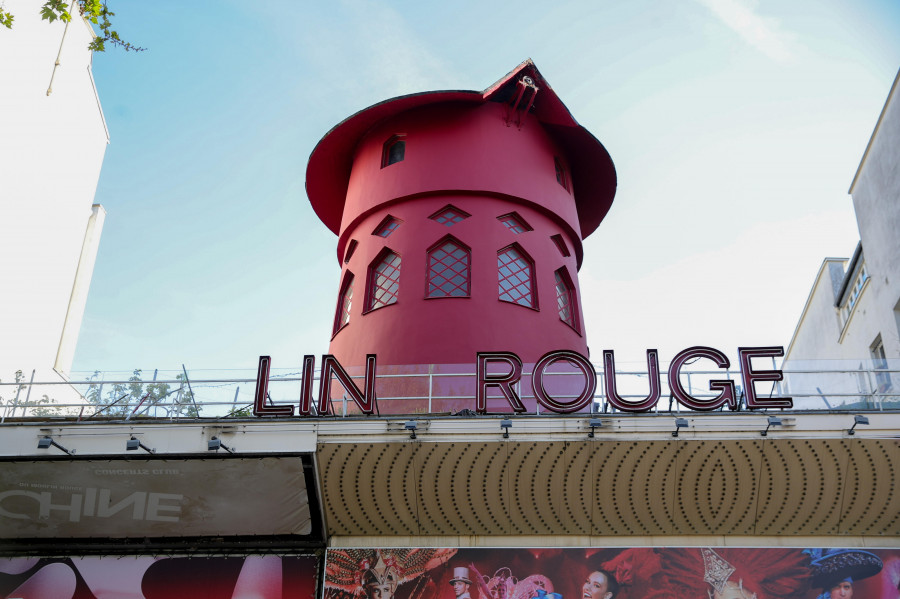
(617, 400)
(580, 362)
(749, 376)
(726, 387)
(364, 400)
(503, 381)
(262, 391)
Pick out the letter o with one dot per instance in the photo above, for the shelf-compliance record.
(580, 362)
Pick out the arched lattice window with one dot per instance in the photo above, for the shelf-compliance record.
(394, 151)
(384, 280)
(345, 299)
(448, 269)
(565, 298)
(515, 273)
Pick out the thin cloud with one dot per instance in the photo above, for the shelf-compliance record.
(750, 292)
(763, 33)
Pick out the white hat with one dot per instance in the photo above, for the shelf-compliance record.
(460, 575)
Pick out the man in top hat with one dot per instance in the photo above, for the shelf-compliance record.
(461, 581)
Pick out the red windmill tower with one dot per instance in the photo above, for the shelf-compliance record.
(460, 217)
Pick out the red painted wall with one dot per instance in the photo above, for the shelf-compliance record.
(460, 147)
(466, 156)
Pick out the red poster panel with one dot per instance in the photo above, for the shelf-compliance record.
(613, 573)
(145, 577)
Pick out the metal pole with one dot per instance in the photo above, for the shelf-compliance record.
(430, 383)
(27, 395)
(191, 391)
(155, 404)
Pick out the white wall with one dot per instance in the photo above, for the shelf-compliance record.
(821, 341)
(876, 200)
(51, 151)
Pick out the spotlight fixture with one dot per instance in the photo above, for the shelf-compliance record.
(46, 441)
(680, 423)
(215, 443)
(506, 425)
(134, 444)
(858, 419)
(594, 423)
(773, 421)
(411, 426)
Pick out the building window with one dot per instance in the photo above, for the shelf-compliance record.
(394, 151)
(514, 223)
(561, 245)
(879, 362)
(387, 226)
(448, 269)
(449, 215)
(384, 280)
(565, 298)
(345, 300)
(351, 247)
(853, 295)
(561, 176)
(515, 273)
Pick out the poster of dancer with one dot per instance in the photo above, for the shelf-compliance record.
(613, 573)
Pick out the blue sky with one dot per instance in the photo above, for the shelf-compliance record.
(735, 126)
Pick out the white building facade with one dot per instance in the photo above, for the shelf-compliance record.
(52, 144)
(851, 320)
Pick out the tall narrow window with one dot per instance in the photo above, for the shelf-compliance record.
(565, 299)
(394, 151)
(879, 361)
(448, 269)
(449, 215)
(386, 226)
(560, 245)
(345, 299)
(514, 223)
(351, 247)
(384, 280)
(515, 272)
(561, 177)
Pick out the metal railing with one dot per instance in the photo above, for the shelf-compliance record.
(433, 389)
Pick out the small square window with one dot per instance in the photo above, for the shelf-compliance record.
(394, 151)
(449, 215)
(514, 223)
(387, 226)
